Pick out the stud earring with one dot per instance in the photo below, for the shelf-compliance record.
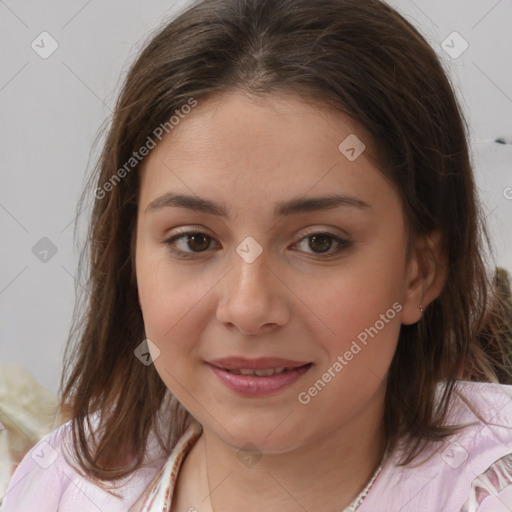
(421, 308)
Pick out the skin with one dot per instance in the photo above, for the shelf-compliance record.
(292, 301)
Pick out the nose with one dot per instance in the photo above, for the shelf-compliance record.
(253, 297)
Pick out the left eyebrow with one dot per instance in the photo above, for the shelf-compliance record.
(283, 209)
(311, 204)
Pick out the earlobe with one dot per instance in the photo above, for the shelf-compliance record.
(426, 276)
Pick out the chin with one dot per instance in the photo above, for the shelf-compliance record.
(276, 436)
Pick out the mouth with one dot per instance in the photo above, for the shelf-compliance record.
(258, 376)
(269, 372)
(235, 363)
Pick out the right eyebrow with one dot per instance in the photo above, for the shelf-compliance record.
(187, 201)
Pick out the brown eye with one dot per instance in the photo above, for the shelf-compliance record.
(198, 241)
(189, 243)
(320, 243)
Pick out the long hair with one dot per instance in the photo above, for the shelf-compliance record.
(359, 57)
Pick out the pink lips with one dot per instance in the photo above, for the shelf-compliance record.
(253, 385)
(262, 363)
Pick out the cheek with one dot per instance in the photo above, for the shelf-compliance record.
(169, 307)
(161, 297)
(360, 311)
(355, 300)
(172, 300)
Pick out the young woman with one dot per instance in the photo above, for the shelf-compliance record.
(289, 307)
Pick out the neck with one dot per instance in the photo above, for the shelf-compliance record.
(326, 474)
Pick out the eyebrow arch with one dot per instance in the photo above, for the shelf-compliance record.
(282, 209)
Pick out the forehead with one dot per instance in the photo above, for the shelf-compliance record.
(234, 144)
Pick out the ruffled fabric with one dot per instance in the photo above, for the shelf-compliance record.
(491, 483)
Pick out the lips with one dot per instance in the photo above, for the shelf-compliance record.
(262, 363)
(258, 377)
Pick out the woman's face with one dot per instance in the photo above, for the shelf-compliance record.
(298, 262)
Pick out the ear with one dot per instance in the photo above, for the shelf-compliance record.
(425, 276)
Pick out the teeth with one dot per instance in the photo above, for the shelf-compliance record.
(259, 373)
(267, 373)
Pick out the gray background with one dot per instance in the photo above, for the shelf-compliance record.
(51, 111)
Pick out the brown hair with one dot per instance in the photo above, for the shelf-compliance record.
(362, 58)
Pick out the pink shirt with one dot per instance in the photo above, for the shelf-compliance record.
(469, 472)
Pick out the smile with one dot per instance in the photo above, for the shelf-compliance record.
(260, 373)
(252, 382)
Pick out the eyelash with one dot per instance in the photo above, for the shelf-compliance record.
(343, 244)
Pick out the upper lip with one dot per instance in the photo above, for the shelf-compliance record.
(262, 363)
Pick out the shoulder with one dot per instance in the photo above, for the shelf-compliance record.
(493, 402)
(492, 490)
(490, 438)
(469, 471)
(38, 477)
(46, 481)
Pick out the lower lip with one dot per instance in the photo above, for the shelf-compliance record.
(252, 385)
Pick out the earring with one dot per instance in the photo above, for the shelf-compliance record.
(421, 308)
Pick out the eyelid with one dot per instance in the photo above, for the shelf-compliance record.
(315, 230)
(343, 243)
(180, 234)
(341, 240)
